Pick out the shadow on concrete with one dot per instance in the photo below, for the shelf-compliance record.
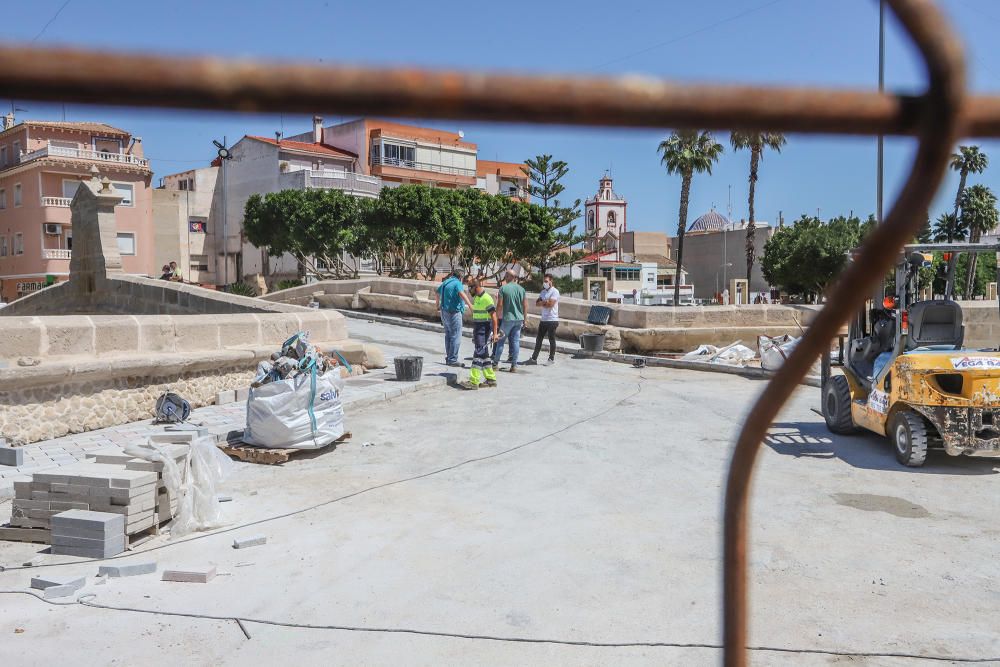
(865, 450)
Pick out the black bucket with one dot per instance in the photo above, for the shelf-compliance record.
(592, 342)
(409, 368)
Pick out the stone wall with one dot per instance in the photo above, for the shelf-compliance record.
(82, 401)
(138, 295)
(137, 336)
(631, 328)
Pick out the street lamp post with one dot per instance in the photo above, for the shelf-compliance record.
(723, 267)
(225, 155)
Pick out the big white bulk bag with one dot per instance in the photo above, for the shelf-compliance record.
(303, 412)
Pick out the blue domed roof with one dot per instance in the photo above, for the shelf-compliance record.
(712, 221)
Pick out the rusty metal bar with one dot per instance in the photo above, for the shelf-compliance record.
(938, 121)
(135, 79)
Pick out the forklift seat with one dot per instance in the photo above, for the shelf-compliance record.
(935, 323)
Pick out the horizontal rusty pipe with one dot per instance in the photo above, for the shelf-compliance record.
(938, 124)
(135, 79)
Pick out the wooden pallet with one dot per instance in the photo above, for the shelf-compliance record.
(17, 534)
(268, 456)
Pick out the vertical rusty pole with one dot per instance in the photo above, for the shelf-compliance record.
(938, 128)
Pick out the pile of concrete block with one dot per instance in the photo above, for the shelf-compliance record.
(110, 482)
(88, 534)
(166, 504)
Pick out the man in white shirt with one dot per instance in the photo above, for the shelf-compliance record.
(548, 299)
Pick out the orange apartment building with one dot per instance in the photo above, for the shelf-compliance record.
(41, 165)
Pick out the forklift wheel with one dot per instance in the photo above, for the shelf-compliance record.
(837, 406)
(909, 438)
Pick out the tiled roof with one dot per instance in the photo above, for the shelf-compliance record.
(660, 260)
(73, 125)
(318, 149)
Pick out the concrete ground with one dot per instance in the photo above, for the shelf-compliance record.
(579, 502)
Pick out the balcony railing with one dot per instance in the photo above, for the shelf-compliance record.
(82, 154)
(348, 181)
(62, 202)
(421, 166)
(55, 253)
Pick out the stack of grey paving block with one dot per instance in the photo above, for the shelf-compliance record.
(88, 534)
(10, 456)
(113, 489)
(166, 504)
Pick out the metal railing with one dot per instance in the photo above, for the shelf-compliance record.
(937, 118)
(421, 166)
(82, 154)
(62, 202)
(55, 253)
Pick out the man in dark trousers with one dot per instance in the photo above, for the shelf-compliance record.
(485, 328)
(548, 299)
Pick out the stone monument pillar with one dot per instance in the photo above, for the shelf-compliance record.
(95, 234)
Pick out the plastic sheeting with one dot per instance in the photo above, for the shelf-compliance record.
(195, 482)
(302, 412)
(731, 355)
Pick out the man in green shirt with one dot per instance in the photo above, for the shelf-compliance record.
(512, 304)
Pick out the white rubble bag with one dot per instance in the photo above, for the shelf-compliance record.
(301, 412)
(774, 351)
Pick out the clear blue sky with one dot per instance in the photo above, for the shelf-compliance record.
(815, 42)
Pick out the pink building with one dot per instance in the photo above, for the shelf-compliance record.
(41, 166)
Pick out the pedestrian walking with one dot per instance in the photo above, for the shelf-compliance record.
(512, 303)
(484, 329)
(548, 299)
(451, 299)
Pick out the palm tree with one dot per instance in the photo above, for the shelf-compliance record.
(756, 142)
(968, 159)
(947, 226)
(686, 152)
(979, 214)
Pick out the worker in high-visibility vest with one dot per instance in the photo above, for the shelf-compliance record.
(485, 328)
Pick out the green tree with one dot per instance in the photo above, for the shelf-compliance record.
(947, 228)
(926, 233)
(979, 214)
(317, 227)
(968, 160)
(804, 258)
(686, 153)
(755, 142)
(544, 176)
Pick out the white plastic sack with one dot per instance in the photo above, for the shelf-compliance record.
(279, 415)
(731, 355)
(737, 355)
(774, 351)
(195, 482)
(701, 353)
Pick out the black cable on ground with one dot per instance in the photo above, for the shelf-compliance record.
(87, 601)
(337, 499)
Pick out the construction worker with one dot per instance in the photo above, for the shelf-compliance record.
(484, 329)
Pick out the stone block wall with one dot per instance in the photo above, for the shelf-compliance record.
(631, 328)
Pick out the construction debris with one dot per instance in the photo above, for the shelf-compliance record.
(131, 570)
(294, 402)
(252, 541)
(734, 354)
(196, 575)
(10, 456)
(51, 580)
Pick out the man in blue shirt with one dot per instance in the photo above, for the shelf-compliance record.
(451, 299)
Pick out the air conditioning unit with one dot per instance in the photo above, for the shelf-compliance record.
(53, 229)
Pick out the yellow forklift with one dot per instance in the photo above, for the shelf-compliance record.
(906, 374)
